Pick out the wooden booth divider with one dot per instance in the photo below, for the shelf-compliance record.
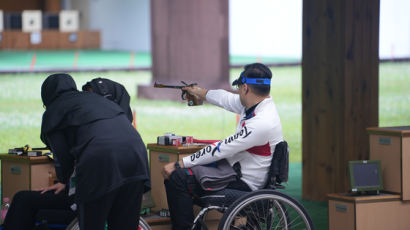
(50, 40)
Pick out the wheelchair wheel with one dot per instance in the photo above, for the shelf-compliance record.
(74, 225)
(266, 209)
(143, 225)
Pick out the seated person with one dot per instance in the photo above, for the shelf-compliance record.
(251, 147)
(26, 204)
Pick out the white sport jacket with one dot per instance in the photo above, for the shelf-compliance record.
(253, 143)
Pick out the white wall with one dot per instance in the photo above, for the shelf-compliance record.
(83, 7)
(266, 27)
(394, 28)
(124, 24)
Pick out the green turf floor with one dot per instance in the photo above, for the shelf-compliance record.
(317, 210)
(67, 60)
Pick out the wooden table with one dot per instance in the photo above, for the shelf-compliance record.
(161, 155)
(25, 173)
(391, 145)
(376, 212)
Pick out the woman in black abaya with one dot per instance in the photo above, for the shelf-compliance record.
(111, 160)
(110, 157)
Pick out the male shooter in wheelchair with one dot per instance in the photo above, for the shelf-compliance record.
(249, 151)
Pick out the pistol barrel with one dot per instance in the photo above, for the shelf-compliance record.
(156, 85)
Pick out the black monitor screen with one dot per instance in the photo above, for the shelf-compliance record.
(365, 175)
(13, 21)
(50, 21)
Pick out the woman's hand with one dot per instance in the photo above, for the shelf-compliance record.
(58, 187)
(169, 168)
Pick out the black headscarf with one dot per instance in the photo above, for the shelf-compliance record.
(66, 106)
(113, 91)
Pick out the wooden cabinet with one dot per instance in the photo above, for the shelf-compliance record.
(159, 156)
(391, 145)
(379, 212)
(51, 40)
(25, 173)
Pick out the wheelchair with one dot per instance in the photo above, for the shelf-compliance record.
(262, 209)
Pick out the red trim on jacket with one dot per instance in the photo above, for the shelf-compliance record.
(261, 150)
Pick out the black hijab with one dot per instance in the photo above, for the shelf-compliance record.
(113, 91)
(66, 106)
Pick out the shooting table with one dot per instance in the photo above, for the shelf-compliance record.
(25, 173)
(391, 145)
(159, 156)
(376, 212)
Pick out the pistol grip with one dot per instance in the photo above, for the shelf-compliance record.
(193, 100)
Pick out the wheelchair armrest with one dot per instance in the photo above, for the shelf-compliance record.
(275, 186)
(280, 186)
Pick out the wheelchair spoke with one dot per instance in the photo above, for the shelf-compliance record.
(281, 223)
(270, 219)
(278, 216)
(256, 216)
(296, 222)
(266, 210)
(294, 219)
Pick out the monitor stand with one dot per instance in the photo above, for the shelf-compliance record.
(365, 193)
